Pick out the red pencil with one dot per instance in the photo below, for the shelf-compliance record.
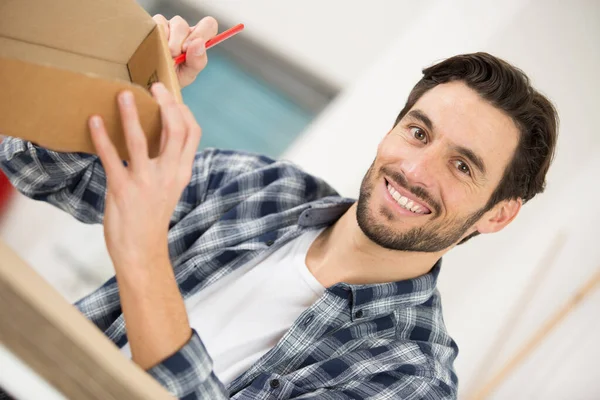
(214, 41)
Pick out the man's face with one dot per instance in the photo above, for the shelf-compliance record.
(443, 160)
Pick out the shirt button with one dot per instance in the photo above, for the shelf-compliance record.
(269, 242)
(275, 383)
(358, 314)
(308, 320)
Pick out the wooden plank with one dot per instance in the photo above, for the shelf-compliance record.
(536, 281)
(584, 291)
(54, 339)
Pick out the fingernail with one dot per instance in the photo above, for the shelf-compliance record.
(158, 86)
(127, 98)
(96, 122)
(200, 50)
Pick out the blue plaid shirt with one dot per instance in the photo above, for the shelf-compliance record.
(381, 341)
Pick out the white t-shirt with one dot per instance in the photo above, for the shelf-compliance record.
(244, 315)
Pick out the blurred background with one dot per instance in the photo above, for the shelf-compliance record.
(321, 82)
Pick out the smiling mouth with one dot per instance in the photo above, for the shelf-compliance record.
(408, 203)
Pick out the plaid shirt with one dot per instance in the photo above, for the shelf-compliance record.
(381, 341)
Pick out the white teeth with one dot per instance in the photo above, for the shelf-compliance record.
(403, 201)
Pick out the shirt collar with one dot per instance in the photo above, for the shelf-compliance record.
(382, 298)
(373, 299)
(324, 211)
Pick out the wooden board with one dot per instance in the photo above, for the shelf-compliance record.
(55, 340)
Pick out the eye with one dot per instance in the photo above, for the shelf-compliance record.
(463, 167)
(418, 134)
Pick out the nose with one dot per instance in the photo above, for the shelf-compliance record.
(421, 167)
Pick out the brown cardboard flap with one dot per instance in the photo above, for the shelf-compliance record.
(62, 61)
(106, 29)
(33, 53)
(51, 107)
(58, 343)
(152, 62)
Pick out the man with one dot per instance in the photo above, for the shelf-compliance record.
(242, 277)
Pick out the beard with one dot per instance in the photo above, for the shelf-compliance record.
(434, 236)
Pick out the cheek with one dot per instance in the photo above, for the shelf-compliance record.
(391, 148)
(462, 201)
(454, 201)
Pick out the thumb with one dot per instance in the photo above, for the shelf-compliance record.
(195, 61)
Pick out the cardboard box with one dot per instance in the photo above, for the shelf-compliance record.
(62, 61)
(60, 344)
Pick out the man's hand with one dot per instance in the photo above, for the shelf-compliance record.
(142, 196)
(183, 38)
(140, 200)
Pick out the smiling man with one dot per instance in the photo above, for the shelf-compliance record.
(435, 172)
(244, 277)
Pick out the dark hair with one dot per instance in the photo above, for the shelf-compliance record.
(507, 88)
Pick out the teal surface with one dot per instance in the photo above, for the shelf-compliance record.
(242, 112)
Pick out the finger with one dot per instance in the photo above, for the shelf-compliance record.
(196, 61)
(162, 95)
(179, 31)
(137, 145)
(174, 127)
(205, 29)
(163, 140)
(194, 45)
(175, 133)
(162, 21)
(194, 134)
(113, 166)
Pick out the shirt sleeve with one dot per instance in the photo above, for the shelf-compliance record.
(384, 385)
(188, 374)
(76, 182)
(73, 182)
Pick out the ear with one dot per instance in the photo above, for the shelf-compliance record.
(499, 216)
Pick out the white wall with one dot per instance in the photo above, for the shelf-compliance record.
(70, 255)
(486, 281)
(334, 39)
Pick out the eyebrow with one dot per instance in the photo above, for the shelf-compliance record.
(469, 154)
(420, 115)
